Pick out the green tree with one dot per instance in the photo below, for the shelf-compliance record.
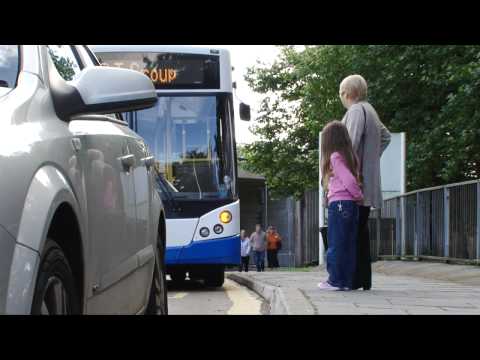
(64, 66)
(427, 91)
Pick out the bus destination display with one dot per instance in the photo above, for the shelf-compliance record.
(169, 70)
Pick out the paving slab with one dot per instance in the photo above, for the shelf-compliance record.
(466, 274)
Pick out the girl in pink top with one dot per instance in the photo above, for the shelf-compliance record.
(341, 183)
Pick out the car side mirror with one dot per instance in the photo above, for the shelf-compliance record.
(245, 112)
(100, 90)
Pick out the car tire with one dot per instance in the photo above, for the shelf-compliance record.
(215, 278)
(55, 291)
(158, 299)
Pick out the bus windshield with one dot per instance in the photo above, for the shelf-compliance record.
(191, 139)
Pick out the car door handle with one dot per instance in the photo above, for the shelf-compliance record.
(148, 161)
(127, 161)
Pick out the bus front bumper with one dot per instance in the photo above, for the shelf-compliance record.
(223, 251)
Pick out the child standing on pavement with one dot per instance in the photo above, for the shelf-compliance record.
(245, 249)
(341, 183)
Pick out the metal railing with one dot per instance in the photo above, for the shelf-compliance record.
(436, 223)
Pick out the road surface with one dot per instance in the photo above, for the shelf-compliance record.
(193, 298)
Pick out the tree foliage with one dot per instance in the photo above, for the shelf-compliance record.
(64, 65)
(430, 92)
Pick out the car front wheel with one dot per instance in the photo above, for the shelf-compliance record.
(55, 292)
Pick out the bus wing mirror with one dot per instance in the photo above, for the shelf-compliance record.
(245, 112)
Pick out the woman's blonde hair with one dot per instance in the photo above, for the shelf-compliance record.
(355, 86)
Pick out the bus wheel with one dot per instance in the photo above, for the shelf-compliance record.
(178, 276)
(215, 277)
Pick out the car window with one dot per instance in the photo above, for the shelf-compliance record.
(8, 65)
(65, 61)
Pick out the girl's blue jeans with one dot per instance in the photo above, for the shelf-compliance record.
(342, 243)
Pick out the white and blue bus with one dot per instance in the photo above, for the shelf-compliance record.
(192, 136)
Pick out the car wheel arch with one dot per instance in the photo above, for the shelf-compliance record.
(50, 200)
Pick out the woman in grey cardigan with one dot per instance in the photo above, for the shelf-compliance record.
(369, 138)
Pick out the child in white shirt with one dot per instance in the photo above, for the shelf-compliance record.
(245, 249)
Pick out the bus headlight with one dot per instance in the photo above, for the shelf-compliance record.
(218, 229)
(204, 232)
(225, 216)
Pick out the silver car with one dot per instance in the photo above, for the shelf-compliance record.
(82, 228)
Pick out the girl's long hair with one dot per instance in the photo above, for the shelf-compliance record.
(335, 138)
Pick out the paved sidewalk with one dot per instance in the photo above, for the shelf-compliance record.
(391, 294)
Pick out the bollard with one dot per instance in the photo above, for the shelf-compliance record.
(321, 209)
